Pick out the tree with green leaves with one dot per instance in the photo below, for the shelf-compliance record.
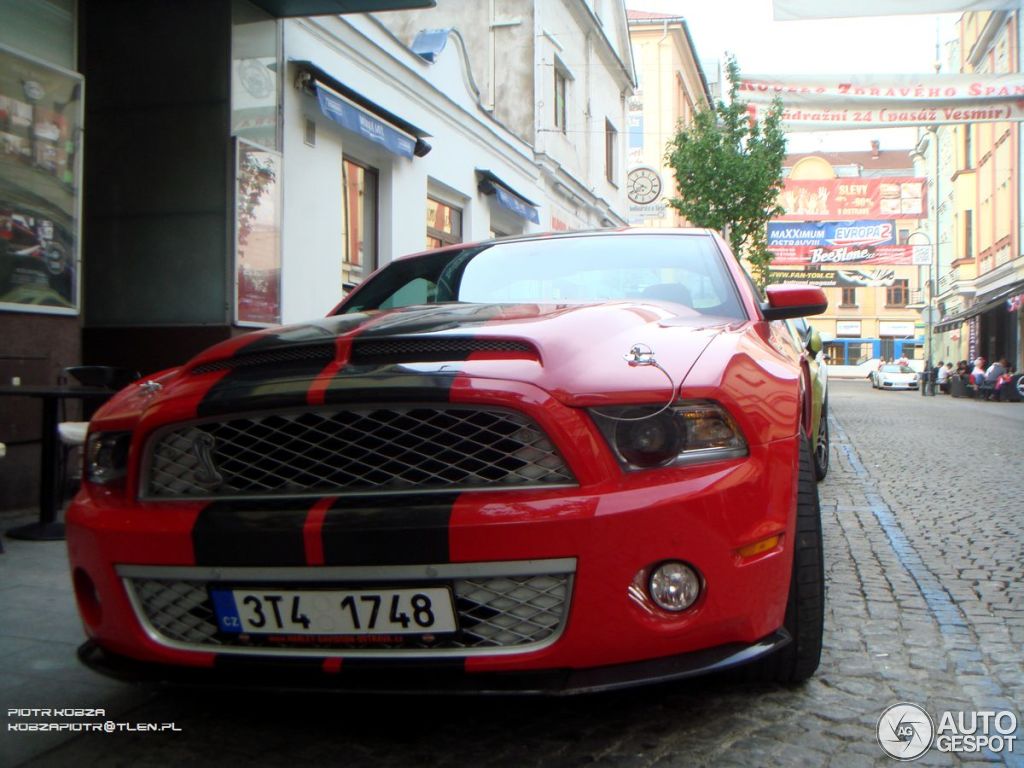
(728, 170)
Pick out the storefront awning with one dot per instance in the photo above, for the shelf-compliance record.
(288, 8)
(982, 304)
(506, 197)
(354, 112)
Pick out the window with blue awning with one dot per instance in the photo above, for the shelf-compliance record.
(506, 197)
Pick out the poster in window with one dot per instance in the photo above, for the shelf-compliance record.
(40, 173)
(257, 235)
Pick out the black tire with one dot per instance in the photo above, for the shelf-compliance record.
(821, 446)
(805, 608)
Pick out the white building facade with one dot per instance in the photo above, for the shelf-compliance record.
(393, 142)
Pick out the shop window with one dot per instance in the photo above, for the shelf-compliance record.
(896, 295)
(360, 218)
(40, 124)
(849, 298)
(889, 349)
(444, 224)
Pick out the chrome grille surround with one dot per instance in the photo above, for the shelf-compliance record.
(349, 451)
(501, 607)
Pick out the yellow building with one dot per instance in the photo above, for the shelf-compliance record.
(671, 88)
(980, 266)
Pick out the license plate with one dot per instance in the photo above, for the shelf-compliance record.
(334, 612)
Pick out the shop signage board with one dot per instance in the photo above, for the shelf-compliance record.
(839, 233)
(40, 183)
(849, 199)
(836, 278)
(838, 256)
(880, 100)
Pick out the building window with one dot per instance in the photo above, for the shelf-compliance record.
(611, 143)
(968, 234)
(360, 219)
(561, 95)
(896, 294)
(904, 237)
(849, 297)
(968, 147)
(444, 224)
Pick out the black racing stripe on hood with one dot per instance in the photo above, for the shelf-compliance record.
(431, 319)
(261, 386)
(251, 533)
(389, 530)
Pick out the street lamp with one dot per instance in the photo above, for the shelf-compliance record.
(932, 246)
(922, 255)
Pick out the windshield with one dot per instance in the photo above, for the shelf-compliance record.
(686, 270)
(896, 369)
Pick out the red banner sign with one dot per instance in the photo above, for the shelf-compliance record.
(854, 198)
(813, 255)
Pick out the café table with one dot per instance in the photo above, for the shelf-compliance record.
(48, 528)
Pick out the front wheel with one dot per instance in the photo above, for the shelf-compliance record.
(805, 607)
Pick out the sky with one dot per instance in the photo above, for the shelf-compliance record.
(881, 44)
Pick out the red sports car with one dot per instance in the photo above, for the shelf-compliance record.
(552, 463)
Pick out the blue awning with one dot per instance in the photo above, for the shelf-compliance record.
(507, 197)
(353, 118)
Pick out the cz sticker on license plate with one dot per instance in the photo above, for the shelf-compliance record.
(334, 612)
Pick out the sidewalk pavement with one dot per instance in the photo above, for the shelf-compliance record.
(39, 634)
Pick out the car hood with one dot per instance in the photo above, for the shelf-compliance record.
(577, 353)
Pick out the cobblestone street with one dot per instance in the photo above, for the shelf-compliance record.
(923, 539)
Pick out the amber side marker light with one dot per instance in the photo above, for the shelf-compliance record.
(760, 547)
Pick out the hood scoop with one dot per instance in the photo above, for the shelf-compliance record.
(435, 349)
(382, 351)
(280, 355)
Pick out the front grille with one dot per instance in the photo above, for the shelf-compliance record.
(352, 450)
(517, 611)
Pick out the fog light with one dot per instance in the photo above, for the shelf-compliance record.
(674, 586)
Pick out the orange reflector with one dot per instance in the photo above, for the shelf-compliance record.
(760, 546)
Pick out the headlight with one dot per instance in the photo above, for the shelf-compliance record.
(642, 438)
(106, 456)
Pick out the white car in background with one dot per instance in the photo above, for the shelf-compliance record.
(893, 376)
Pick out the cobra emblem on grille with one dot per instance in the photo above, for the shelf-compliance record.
(206, 474)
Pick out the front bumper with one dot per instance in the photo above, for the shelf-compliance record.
(703, 515)
(423, 678)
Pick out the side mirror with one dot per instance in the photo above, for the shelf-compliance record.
(786, 300)
(814, 345)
